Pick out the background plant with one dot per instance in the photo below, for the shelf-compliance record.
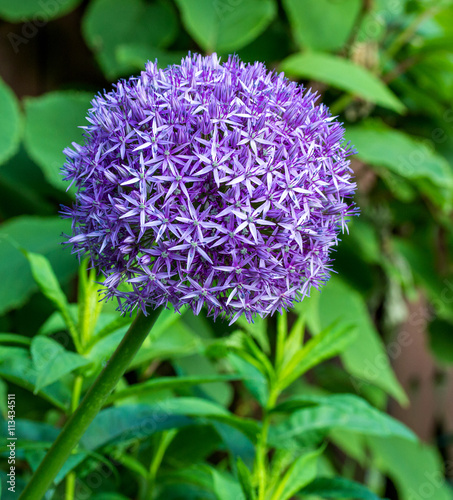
(203, 403)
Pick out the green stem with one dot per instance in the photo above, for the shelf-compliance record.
(261, 448)
(75, 399)
(79, 421)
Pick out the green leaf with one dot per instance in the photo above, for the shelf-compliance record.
(254, 379)
(35, 234)
(338, 487)
(110, 24)
(412, 466)
(40, 12)
(342, 74)
(245, 479)
(62, 112)
(14, 338)
(365, 358)
(322, 25)
(48, 283)
(52, 361)
(332, 341)
(225, 486)
(17, 367)
(10, 122)
(134, 56)
(301, 472)
(168, 383)
(220, 26)
(336, 412)
(404, 155)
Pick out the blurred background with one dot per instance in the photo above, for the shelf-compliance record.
(385, 67)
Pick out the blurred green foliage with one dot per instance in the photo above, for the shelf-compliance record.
(185, 421)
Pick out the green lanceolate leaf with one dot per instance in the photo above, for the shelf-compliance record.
(338, 487)
(337, 412)
(245, 479)
(48, 283)
(365, 358)
(221, 26)
(301, 472)
(168, 383)
(52, 361)
(343, 74)
(330, 342)
(322, 25)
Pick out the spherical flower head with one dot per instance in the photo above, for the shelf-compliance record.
(209, 183)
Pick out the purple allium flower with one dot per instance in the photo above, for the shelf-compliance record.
(213, 184)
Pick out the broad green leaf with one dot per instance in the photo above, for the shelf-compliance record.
(335, 412)
(301, 472)
(130, 422)
(52, 361)
(413, 467)
(17, 367)
(220, 26)
(365, 358)
(62, 112)
(110, 24)
(168, 383)
(332, 341)
(10, 122)
(135, 55)
(225, 486)
(38, 12)
(48, 283)
(322, 25)
(404, 155)
(35, 234)
(245, 479)
(338, 487)
(198, 365)
(342, 74)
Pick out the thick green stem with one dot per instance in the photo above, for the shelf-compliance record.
(93, 401)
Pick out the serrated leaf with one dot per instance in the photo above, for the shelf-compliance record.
(245, 480)
(343, 74)
(63, 112)
(221, 26)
